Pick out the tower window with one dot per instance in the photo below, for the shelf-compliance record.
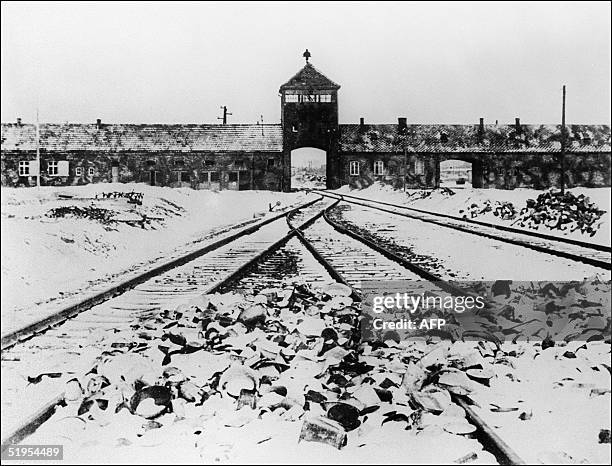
(379, 167)
(354, 168)
(291, 98)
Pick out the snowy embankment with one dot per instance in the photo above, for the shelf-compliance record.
(459, 204)
(58, 243)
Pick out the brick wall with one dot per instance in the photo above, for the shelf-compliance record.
(502, 171)
(255, 170)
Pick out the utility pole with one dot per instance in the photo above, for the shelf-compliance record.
(405, 166)
(37, 150)
(225, 114)
(563, 138)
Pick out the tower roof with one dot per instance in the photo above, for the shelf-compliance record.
(309, 78)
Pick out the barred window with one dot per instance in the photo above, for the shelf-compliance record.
(354, 168)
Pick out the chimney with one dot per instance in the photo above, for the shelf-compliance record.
(361, 122)
(18, 121)
(481, 130)
(517, 125)
(99, 123)
(401, 123)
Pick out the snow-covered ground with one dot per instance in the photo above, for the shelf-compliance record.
(46, 260)
(439, 201)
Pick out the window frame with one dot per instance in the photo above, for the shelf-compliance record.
(354, 168)
(23, 168)
(78, 171)
(53, 168)
(379, 171)
(419, 167)
(91, 171)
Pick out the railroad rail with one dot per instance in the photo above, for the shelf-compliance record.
(591, 254)
(339, 254)
(13, 337)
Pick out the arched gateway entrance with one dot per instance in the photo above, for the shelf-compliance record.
(308, 168)
(309, 118)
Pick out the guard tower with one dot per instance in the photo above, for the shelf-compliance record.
(309, 118)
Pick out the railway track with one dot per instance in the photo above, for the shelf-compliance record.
(591, 254)
(313, 248)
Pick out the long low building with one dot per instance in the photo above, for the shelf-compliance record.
(247, 156)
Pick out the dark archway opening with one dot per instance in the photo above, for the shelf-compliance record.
(308, 168)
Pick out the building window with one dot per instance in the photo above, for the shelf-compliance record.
(79, 171)
(185, 177)
(419, 167)
(214, 177)
(271, 163)
(24, 168)
(325, 98)
(291, 98)
(379, 167)
(91, 171)
(354, 168)
(52, 167)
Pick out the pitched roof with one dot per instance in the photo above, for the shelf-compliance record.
(309, 78)
(148, 138)
(467, 138)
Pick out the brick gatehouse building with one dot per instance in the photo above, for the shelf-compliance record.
(247, 156)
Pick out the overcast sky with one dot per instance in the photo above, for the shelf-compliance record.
(429, 62)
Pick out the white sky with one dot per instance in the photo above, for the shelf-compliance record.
(178, 63)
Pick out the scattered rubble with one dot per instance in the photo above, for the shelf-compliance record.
(98, 214)
(555, 210)
(131, 196)
(551, 210)
(286, 355)
(503, 210)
